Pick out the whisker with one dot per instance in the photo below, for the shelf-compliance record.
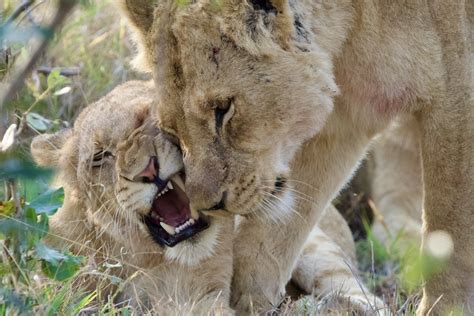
(284, 203)
(298, 195)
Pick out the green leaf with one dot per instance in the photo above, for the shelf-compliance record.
(27, 230)
(55, 80)
(56, 302)
(48, 202)
(37, 122)
(56, 265)
(84, 302)
(4, 269)
(49, 254)
(7, 208)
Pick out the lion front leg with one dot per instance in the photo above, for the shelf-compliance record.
(265, 253)
(448, 176)
(447, 142)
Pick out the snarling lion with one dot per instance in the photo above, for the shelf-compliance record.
(275, 95)
(125, 206)
(125, 201)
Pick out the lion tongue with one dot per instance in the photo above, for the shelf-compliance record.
(173, 207)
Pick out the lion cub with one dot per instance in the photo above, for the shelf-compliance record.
(125, 207)
(125, 202)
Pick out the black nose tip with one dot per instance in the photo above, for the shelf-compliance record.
(220, 205)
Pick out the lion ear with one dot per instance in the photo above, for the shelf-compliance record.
(46, 148)
(139, 13)
(263, 24)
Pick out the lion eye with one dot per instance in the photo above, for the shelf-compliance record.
(100, 157)
(223, 111)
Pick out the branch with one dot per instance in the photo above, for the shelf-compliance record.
(64, 8)
(22, 8)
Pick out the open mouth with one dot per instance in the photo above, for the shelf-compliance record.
(171, 220)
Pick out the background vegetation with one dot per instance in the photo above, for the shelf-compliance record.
(86, 58)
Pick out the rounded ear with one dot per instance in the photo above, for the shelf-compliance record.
(139, 13)
(46, 148)
(259, 25)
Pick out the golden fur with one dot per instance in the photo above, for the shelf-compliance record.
(270, 70)
(100, 215)
(396, 185)
(99, 218)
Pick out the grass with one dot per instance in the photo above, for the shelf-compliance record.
(96, 41)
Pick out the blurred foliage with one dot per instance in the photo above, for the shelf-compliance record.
(37, 279)
(22, 230)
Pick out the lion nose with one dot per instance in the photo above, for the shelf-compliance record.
(150, 173)
(219, 205)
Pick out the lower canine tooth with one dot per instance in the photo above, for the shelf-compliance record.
(170, 185)
(169, 229)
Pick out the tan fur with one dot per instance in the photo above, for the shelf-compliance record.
(97, 218)
(387, 57)
(396, 185)
(100, 215)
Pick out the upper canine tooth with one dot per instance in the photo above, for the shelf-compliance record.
(192, 221)
(170, 185)
(177, 181)
(169, 229)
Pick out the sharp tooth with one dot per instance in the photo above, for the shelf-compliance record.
(192, 221)
(169, 229)
(177, 181)
(170, 185)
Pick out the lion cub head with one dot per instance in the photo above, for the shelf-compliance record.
(122, 176)
(243, 89)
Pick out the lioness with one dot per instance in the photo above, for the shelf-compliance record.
(125, 204)
(268, 95)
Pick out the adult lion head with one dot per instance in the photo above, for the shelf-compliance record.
(242, 91)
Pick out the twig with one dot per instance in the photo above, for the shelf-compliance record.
(23, 118)
(28, 13)
(12, 185)
(65, 71)
(22, 8)
(64, 8)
